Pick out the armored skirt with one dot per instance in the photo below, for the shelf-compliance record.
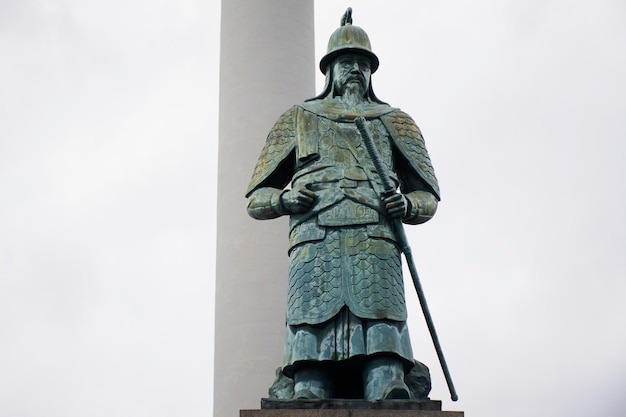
(345, 300)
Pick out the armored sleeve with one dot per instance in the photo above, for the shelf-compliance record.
(415, 172)
(264, 203)
(276, 164)
(422, 206)
(413, 163)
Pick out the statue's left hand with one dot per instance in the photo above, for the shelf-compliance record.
(396, 205)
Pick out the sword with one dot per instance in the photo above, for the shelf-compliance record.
(390, 189)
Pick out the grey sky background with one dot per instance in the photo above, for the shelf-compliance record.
(108, 139)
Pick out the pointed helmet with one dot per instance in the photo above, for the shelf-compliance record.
(348, 38)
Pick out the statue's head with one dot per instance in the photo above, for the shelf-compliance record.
(350, 74)
(349, 60)
(348, 39)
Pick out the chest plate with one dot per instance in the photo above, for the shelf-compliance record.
(346, 184)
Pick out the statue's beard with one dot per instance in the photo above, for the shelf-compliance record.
(353, 93)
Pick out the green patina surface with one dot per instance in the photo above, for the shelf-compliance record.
(346, 314)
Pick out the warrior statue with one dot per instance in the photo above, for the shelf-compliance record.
(346, 315)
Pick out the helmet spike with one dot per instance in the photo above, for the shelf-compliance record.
(346, 19)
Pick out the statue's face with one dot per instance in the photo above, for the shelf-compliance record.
(351, 72)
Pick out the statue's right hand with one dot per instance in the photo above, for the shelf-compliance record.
(297, 200)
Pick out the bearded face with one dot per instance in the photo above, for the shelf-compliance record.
(351, 75)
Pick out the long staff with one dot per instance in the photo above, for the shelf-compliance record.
(389, 189)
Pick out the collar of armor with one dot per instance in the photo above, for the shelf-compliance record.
(335, 110)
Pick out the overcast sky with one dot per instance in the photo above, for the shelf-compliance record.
(108, 139)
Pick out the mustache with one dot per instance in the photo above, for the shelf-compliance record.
(355, 77)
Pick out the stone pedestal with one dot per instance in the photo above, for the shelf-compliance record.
(348, 413)
(350, 408)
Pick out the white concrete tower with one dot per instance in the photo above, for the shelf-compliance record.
(267, 65)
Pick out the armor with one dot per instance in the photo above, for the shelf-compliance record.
(342, 251)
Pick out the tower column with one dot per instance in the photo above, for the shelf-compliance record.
(266, 65)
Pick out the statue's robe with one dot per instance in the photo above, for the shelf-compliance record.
(346, 294)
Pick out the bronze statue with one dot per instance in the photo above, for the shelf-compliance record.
(346, 316)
